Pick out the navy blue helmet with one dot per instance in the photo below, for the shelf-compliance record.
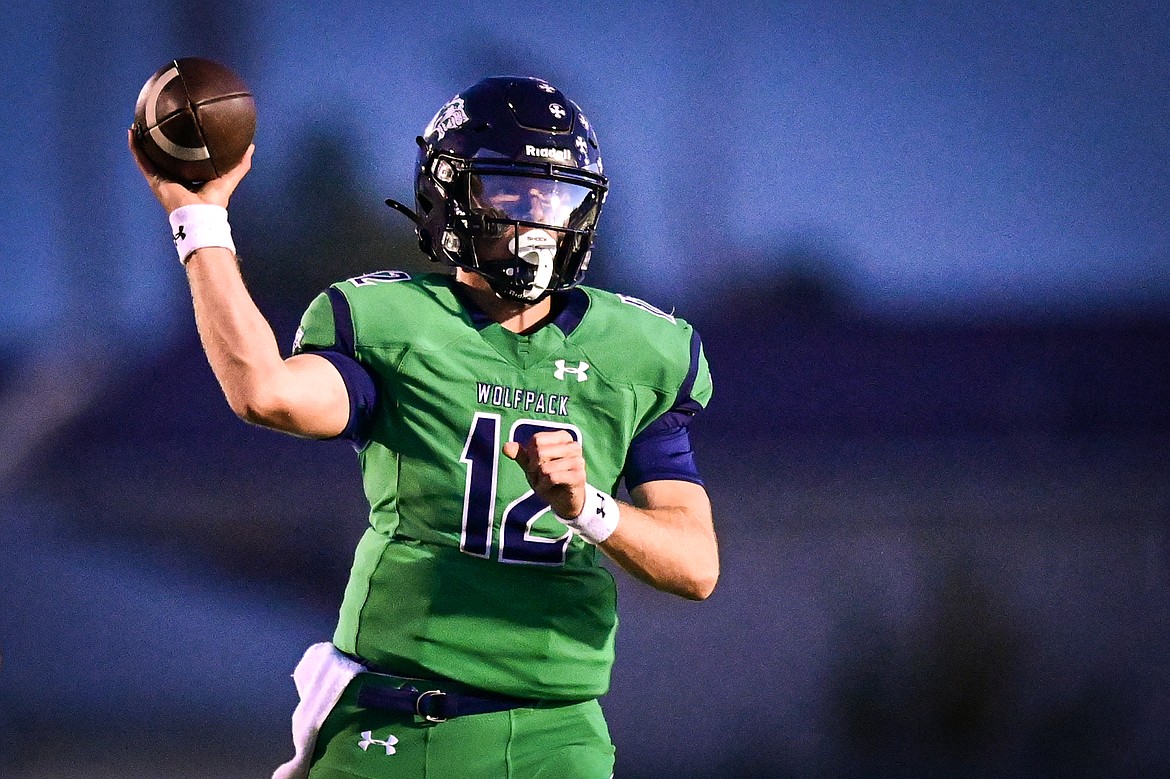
(510, 185)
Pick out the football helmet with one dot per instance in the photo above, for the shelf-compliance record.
(510, 184)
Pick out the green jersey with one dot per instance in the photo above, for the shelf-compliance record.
(464, 572)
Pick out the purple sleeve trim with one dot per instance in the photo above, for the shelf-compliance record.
(663, 451)
(688, 384)
(363, 395)
(342, 322)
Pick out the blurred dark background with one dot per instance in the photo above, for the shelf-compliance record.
(927, 250)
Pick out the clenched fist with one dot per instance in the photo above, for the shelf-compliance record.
(555, 466)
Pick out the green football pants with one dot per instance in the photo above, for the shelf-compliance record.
(550, 741)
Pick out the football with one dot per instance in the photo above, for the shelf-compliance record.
(195, 119)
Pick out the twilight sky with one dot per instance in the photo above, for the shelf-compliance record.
(940, 156)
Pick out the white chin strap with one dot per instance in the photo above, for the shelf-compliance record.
(539, 248)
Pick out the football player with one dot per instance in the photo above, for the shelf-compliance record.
(495, 409)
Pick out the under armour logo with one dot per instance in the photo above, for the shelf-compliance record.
(180, 235)
(579, 371)
(557, 110)
(368, 739)
(600, 506)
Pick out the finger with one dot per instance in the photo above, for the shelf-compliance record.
(144, 164)
(550, 437)
(518, 453)
(169, 192)
(572, 475)
(562, 460)
(571, 461)
(559, 451)
(234, 175)
(551, 442)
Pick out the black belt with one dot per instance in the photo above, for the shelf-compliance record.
(436, 705)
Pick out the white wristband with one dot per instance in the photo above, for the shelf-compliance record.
(198, 226)
(598, 518)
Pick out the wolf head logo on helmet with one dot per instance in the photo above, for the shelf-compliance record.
(449, 117)
(509, 184)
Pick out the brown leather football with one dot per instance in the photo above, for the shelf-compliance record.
(195, 119)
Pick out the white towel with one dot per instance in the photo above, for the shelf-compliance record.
(321, 676)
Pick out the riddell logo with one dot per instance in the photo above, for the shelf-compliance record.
(561, 155)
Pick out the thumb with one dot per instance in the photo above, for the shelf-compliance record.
(512, 451)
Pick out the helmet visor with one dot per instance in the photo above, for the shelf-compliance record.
(534, 201)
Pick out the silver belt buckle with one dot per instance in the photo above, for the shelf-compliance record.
(418, 704)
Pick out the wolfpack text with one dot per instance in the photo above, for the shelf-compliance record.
(521, 399)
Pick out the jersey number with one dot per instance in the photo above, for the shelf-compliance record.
(517, 543)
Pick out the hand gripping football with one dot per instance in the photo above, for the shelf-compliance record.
(194, 119)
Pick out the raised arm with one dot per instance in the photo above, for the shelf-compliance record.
(303, 395)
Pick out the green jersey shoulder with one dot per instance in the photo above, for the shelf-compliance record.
(625, 336)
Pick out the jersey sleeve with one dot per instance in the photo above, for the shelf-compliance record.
(695, 391)
(663, 449)
(327, 330)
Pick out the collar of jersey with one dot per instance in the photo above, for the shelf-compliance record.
(528, 349)
(573, 303)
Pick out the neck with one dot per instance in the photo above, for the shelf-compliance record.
(512, 315)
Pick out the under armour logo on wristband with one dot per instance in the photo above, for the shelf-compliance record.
(598, 518)
(199, 225)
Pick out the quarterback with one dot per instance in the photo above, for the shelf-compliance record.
(496, 409)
